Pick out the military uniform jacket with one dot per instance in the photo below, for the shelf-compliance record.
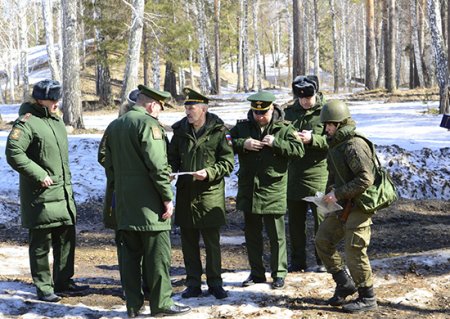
(262, 182)
(201, 204)
(350, 164)
(36, 147)
(308, 174)
(136, 166)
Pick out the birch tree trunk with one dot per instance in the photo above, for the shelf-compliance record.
(146, 56)
(389, 52)
(36, 23)
(205, 85)
(381, 38)
(59, 30)
(217, 44)
(23, 29)
(256, 41)
(370, 45)
(415, 41)
(71, 67)
(156, 68)
(134, 49)
(335, 47)
(438, 49)
(103, 77)
(47, 16)
(296, 68)
(245, 53)
(82, 34)
(306, 15)
(290, 40)
(11, 60)
(399, 46)
(316, 42)
(239, 45)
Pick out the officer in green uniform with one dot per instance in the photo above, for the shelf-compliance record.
(109, 209)
(308, 174)
(37, 148)
(136, 165)
(201, 144)
(351, 171)
(264, 143)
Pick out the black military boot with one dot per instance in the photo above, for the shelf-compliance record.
(365, 301)
(344, 287)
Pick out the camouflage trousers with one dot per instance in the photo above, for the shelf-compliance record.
(356, 236)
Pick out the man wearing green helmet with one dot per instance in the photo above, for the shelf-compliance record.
(351, 172)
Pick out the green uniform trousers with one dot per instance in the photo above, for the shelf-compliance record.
(356, 235)
(298, 211)
(190, 245)
(62, 241)
(151, 248)
(274, 225)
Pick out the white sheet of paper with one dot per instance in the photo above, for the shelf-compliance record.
(182, 173)
(325, 207)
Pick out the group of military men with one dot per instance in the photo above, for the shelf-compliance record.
(282, 157)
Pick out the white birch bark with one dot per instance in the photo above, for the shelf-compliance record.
(335, 47)
(290, 38)
(71, 66)
(239, 55)
(415, 40)
(23, 31)
(257, 68)
(47, 16)
(245, 53)
(205, 85)
(134, 49)
(59, 30)
(442, 73)
(316, 42)
(306, 34)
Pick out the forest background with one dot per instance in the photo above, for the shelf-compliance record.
(212, 45)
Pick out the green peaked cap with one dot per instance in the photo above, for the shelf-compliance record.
(157, 95)
(261, 101)
(193, 97)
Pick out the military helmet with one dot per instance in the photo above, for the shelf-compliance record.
(334, 111)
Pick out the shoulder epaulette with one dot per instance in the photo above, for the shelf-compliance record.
(287, 122)
(25, 117)
(242, 121)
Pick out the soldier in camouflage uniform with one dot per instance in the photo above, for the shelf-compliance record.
(308, 174)
(37, 148)
(136, 164)
(351, 172)
(264, 143)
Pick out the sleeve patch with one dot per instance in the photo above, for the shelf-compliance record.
(157, 134)
(15, 134)
(229, 139)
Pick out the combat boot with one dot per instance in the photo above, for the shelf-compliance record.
(344, 287)
(365, 301)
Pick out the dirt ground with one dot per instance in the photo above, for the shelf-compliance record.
(408, 228)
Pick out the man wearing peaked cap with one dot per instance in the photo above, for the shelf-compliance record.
(143, 202)
(201, 144)
(194, 97)
(265, 144)
(306, 175)
(161, 97)
(261, 101)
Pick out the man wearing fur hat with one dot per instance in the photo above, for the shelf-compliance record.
(37, 148)
(308, 174)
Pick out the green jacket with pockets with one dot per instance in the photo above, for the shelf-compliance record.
(36, 147)
(201, 204)
(136, 167)
(262, 182)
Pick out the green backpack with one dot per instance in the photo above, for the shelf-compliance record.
(382, 193)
